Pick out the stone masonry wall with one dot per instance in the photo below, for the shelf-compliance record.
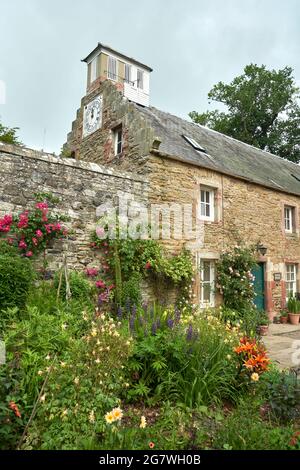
(244, 211)
(98, 147)
(80, 186)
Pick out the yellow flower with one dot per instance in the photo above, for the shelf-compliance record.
(94, 332)
(143, 423)
(255, 377)
(109, 417)
(117, 414)
(228, 357)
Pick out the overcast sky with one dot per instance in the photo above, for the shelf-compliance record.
(190, 44)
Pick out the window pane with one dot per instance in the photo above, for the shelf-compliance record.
(140, 79)
(127, 73)
(207, 210)
(206, 271)
(203, 211)
(202, 196)
(206, 293)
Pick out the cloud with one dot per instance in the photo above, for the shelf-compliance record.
(191, 45)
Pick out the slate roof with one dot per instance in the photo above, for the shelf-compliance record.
(223, 153)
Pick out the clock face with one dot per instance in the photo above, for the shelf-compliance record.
(92, 116)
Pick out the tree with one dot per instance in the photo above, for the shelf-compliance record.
(8, 135)
(262, 110)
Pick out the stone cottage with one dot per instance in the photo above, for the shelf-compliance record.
(238, 192)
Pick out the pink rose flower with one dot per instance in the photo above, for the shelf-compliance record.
(22, 244)
(39, 233)
(29, 254)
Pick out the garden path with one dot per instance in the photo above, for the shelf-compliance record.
(282, 346)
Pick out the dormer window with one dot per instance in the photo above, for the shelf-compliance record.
(112, 68)
(118, 140)
(140, 79)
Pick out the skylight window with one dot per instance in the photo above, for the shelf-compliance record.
(194, 143)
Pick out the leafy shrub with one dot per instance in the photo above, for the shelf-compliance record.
(16, 277)
(131, 290)
(83, 384)
(283, 396)
(80, 287)
(244, 429)
(188, 359)
(234, 277)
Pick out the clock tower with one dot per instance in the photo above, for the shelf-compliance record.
(102, 132)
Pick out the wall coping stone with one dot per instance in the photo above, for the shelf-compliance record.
(68, 162)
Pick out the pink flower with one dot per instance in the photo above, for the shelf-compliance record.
(100, 232)
(100, 284)
(39, 233)
(43, 206)
(92, 272)
(22, 245)
(29, 254)
(35, 241)
(57, 227)
(23, 220)
(48, 228)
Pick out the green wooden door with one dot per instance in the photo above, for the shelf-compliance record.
(259, 286)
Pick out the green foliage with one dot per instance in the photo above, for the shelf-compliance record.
(282, 393)
(187, 359)
(293, 305)
(80, 287)
(244, 429)
(83, 384)
(263, 110)
(131, 290)
(8, 135)
(16, 277)
(127, 256)
(234, 277)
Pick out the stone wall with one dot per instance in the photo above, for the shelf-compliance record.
(245, 212)
(80, 186)
(98, 147)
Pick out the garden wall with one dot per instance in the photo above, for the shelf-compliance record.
(80, 186)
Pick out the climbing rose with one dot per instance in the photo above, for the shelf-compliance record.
(29, 254)
(39, 233)
(22, 244)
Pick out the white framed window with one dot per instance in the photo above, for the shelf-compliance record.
(289, 216)
(140, 79)
(290, 279)
(94, 69)
(112, 68)
(118, 140)
(207, 283)
(128, 73)
(207, 204)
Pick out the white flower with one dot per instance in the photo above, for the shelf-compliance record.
(48, 357)
(43, 398)
(92, 417)
(64, 326)
(40, 372)
(76, 380)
